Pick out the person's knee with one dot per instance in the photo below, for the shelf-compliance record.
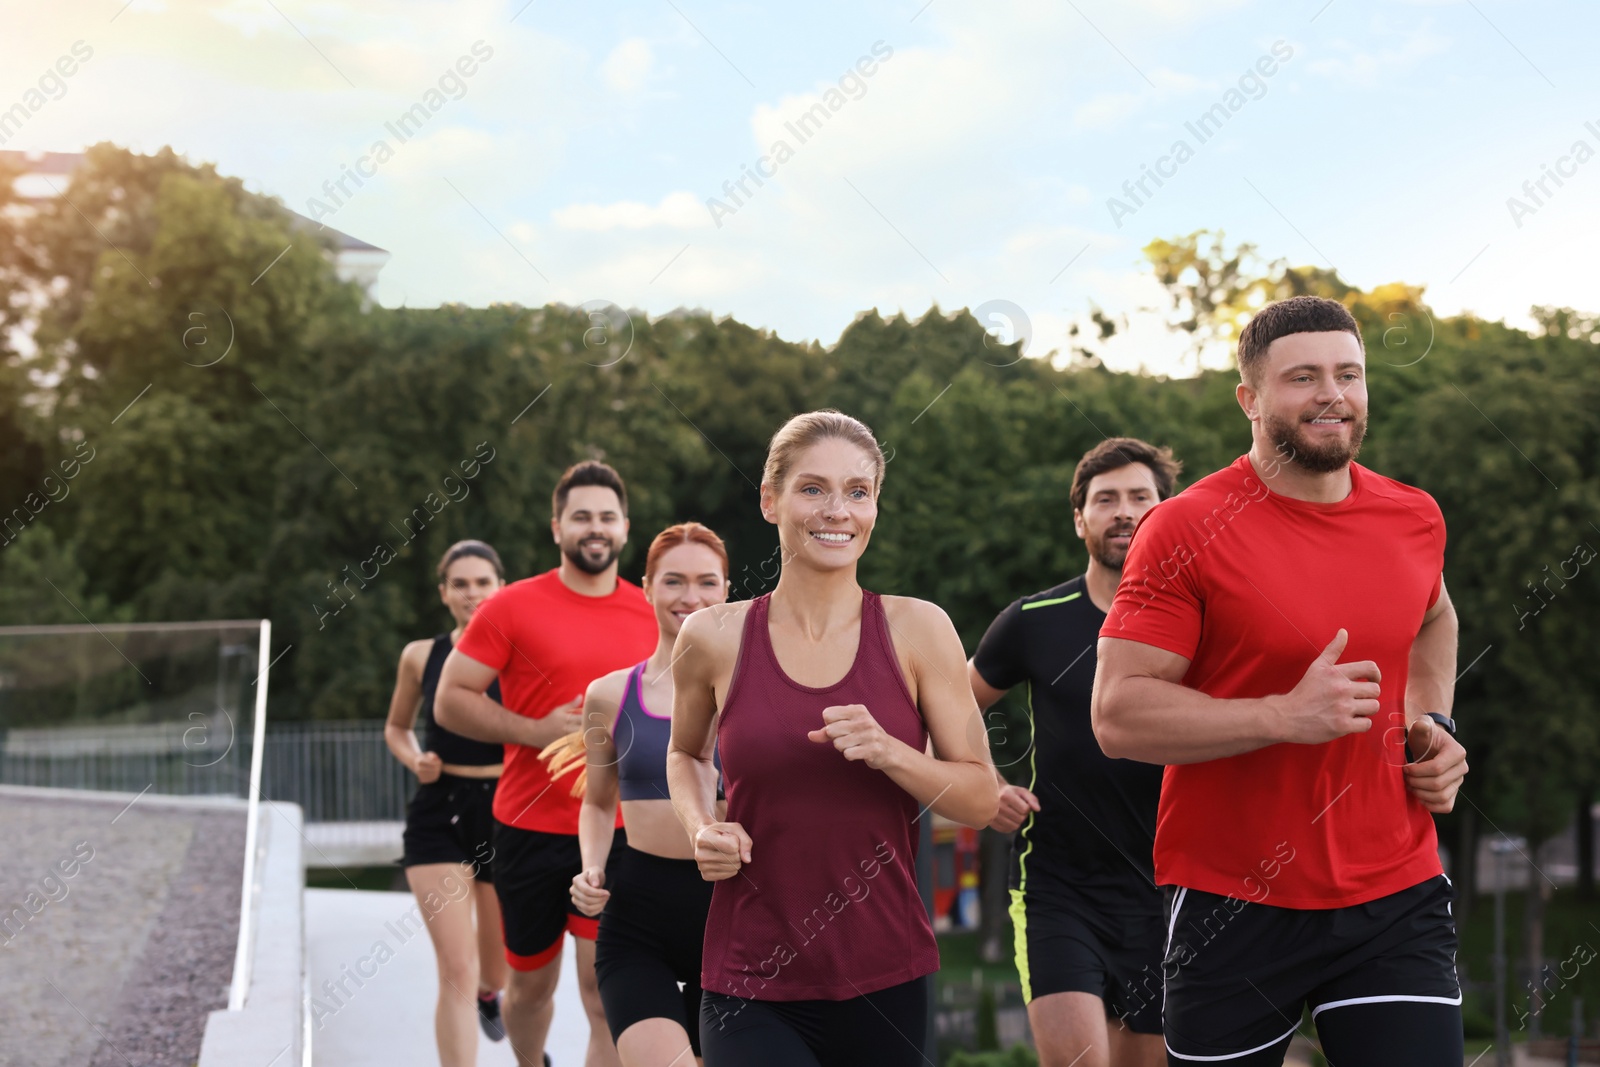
(459, 971)
(1069, 1028)
(533, 987)
(655, 1041)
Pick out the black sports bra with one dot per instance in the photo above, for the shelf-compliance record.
(452, 747)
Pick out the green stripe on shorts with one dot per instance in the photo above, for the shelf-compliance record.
(1019, 928)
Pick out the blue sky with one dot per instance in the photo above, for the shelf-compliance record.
(976, 161)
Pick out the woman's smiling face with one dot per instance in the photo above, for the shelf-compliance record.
(687, 577)
(827, 506)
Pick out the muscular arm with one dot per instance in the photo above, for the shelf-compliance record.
(460, 705)
(1440, 760)
(1431, 677)
(1015, 801)
(1142, 711)
(985, 694)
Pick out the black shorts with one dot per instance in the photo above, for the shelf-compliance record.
(1067, 943)
(651, 935)
(451, 820)
(1239, 975)
(882, 1029)
(533, 879)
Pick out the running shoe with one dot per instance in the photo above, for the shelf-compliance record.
(494, 1028)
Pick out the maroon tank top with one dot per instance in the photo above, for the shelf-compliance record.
(828, 907)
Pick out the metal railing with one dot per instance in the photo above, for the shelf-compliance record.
(125, 758)
(338, 772)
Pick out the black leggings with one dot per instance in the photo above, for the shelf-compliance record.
(1390, 1034)
(882, 1029)
(651, 934)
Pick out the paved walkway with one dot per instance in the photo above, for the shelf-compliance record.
(387, 1020)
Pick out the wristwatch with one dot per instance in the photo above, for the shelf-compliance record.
(1445, 721)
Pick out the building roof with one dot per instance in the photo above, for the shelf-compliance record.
(64, 163)
(42, 162)
(345, 242)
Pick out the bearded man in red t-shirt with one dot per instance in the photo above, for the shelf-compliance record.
(546, 638)
(1282, 640)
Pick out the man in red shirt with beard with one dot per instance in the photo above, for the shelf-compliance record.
(1283, 642)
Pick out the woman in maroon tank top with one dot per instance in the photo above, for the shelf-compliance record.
(822, 698)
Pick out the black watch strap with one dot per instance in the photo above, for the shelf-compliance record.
(1445, 721)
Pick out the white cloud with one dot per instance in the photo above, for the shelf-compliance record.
(1104, 110)
(1370, 68)
(629, 65)
(677, 211)
(420, 157)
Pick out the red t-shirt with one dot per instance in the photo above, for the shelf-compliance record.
(548, 643)
(1250, 586)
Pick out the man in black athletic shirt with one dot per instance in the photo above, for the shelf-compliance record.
(1086, 911)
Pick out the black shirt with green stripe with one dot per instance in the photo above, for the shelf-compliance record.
(1096, 823)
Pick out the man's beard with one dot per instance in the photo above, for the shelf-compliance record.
(1291, 445)
(585, 563)
(1103, 552)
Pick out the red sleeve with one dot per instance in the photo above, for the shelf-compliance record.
(1437, 516)
(1158, 601)
(488, 636)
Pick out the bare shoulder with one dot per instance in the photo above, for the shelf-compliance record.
(414, 657)
(916, 618)
(713, 634)
(609, 687)
(923, 637)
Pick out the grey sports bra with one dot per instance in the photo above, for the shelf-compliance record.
(641, 738)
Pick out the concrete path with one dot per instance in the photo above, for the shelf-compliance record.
(387, 1019)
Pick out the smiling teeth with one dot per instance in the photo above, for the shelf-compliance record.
(1326, 421)
(832, 538)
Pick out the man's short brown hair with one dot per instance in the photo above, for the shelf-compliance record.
(1298, 314)
(1114, 453)
(589, 472)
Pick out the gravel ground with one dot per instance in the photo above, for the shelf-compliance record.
(120, 960)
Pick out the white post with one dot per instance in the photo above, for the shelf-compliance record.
(243, 955)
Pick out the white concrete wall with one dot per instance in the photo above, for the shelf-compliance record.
(270, 1031)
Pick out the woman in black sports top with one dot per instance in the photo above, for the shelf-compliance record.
(448, 859)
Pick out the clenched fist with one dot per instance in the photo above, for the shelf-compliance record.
(1440, 765)
(589, 892)
(720, 849)
(856, 734)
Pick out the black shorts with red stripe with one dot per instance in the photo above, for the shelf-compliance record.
(1379, 979)
(533, 873)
